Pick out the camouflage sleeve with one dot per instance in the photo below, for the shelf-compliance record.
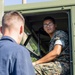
(62, 36)
(60, 42)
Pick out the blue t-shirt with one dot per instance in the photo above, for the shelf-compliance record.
(14, 58)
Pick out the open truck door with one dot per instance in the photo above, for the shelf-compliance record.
(37, 41)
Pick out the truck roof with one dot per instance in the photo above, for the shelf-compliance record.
(41, 5)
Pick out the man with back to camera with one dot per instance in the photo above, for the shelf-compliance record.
(56, 62)
(14, 58)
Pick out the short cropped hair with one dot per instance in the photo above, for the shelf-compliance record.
(49, 18)
(8, 16)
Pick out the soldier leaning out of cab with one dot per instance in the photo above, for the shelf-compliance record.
(56, 62)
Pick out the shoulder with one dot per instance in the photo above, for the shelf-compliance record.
(61, 33)
(19, 52)
(14, 48)
(20, 49)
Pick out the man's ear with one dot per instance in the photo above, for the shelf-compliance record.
(1, 29)
(21, 29)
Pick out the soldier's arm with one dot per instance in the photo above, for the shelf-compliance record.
(51, 55)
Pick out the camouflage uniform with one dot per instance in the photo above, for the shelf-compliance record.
(60, 65)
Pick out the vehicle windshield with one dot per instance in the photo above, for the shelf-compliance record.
(35, 47)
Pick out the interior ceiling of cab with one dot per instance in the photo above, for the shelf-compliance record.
(61, 19)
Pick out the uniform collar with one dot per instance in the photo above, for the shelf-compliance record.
(8, 38)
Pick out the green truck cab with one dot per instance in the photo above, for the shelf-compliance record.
(36, 40)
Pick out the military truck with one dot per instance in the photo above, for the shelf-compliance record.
(36, 40)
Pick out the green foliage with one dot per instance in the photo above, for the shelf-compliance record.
(33, 59)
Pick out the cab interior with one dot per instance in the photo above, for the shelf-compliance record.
(38, 40)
